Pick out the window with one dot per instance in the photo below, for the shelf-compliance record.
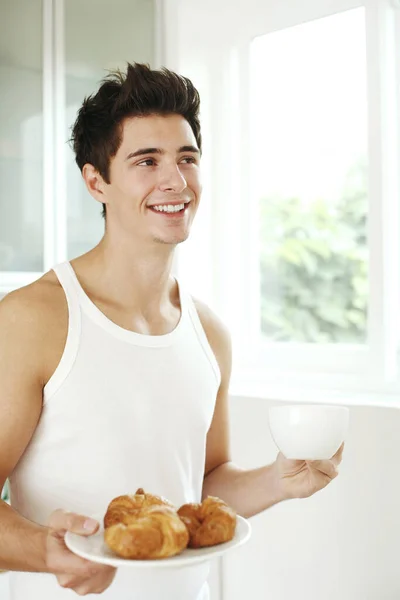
(309, 173)
(300, 125)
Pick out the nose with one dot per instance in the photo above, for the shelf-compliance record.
(171, 179)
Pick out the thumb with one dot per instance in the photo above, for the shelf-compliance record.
(62, 521)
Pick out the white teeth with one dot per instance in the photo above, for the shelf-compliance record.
(169, 207)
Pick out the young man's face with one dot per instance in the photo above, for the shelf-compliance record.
(155, 186)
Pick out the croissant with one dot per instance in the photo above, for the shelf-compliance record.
(143, 526)
(122, 508)
(209, 523)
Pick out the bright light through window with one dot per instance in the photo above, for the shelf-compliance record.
(309, 176)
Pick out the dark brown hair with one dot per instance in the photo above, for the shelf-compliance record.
(141, 91)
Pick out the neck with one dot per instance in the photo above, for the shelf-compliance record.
(133, 276)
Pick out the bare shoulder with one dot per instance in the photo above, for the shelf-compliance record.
(34, 323)
(30, 346)
(33, 304)
(217, 334)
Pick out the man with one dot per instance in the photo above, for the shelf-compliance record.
(114, 378)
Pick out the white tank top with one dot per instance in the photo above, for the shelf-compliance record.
(122, 411)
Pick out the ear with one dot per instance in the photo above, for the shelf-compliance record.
(95, 183)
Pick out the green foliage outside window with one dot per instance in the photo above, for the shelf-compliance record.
(314, 266)
(5, 493)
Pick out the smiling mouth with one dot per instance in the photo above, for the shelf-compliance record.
(170, 209)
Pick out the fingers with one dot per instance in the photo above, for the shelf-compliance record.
(329, 467)
(326, 467)
(337, 458)
(73, 572)
(61, 520)
(98, 579)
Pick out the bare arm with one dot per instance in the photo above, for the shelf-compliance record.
(29, 328)
(254, 490)
(22, 543)
(247, 491)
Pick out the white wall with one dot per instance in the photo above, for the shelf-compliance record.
(4, 595)
(341, 544)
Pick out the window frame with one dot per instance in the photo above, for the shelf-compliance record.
(234, 265)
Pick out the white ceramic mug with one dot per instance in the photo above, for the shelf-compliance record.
(309, 431)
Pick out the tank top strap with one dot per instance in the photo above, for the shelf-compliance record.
(63, 273)
(67, 280)
(188, 306)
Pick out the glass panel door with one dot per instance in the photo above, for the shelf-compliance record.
(99, 36)
(21, 137)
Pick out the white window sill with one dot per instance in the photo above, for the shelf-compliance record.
(281, 391)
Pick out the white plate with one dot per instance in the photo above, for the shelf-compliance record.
(94, 548)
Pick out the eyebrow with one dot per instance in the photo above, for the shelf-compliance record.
(143, 151)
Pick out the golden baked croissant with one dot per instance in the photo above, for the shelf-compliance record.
(121, 508)
(209, 523)
(144, 526)
(154, 532)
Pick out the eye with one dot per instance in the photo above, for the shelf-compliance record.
(189, 160)
(147, 162)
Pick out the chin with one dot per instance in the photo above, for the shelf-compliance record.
(172, 240)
